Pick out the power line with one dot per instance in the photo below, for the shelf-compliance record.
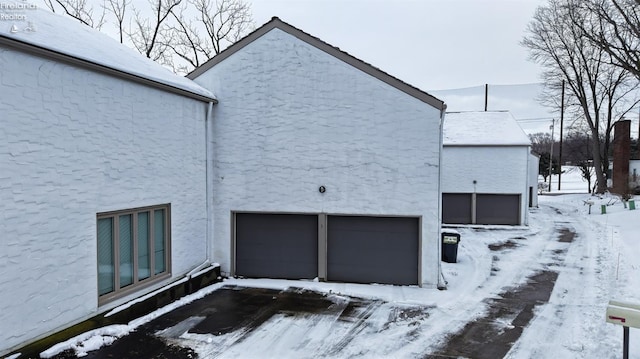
(534, 119)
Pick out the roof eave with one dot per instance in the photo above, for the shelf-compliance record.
(327, 48)
(72, 60)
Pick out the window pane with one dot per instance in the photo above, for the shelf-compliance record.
(159, 240)
(105, 256)
(126, 250)
(144, 259)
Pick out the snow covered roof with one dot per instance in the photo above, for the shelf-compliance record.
(483, 128)
(365, 67)
(29, 28)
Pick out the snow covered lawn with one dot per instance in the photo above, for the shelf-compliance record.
(596, 263)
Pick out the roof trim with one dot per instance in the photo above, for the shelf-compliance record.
(323, 46)
(88, 65)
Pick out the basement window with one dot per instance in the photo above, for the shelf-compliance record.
(133, 250)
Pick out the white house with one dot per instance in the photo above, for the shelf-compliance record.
(102, 175)
(324, 166)
(486, 164)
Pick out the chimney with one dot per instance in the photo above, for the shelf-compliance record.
(621, 156)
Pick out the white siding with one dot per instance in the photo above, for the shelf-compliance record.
(534, 165)
(292, 118)
(74, 143)
(495, 169)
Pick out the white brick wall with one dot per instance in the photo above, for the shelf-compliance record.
(74, 143)
(495, 170)
(292, 118)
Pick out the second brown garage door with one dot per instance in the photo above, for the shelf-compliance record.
(498, 209)
(364, 249)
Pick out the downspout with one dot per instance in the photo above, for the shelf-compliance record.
(208, 126)
(528, 185)
(442, 283)
(209, 177)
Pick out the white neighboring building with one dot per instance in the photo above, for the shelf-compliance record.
(486, 164)
(103, 176)
(634, 174)
(325, 167)
(534, 170)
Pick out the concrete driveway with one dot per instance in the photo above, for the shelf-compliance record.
(239, 322)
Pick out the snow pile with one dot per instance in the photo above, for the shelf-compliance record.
(89, 341)
(95, 339)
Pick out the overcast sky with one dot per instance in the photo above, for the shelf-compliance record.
(432, 44)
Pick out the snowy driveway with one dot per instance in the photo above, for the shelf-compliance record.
(516, 292)
(241, 322)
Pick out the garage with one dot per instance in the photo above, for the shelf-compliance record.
(456, 208)
(498, 209)
(357, 249)
(488, 172)
(364, 249)
(281, 246)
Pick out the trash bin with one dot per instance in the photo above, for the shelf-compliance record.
(450, 240)
(632, 204)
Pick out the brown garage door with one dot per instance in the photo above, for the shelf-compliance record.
(276, 245)
(364, 249)
(456, 208)
(498, 209)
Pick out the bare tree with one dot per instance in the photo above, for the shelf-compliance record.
(614, 26)
(79, 10)
(180, 34)
(541, 143)
(118, 8)
(150, 35)
(578, 146)
(597, 88)
(217, 25)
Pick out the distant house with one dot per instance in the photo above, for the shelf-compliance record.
(486, 169)
(634, 175)
(325, 166)
(103, 175)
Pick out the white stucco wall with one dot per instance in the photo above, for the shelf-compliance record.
(496, 170)
(292, 118)
(74, 143)
(534, 166)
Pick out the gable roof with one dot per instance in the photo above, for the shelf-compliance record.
(62, 39)
(367, 68)
(483, 128)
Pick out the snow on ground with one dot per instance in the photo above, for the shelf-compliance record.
(95, 339)
(600, 264)
(571, 181)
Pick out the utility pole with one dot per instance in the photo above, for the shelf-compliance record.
(486, 96)
(551, 153)
(561, 126)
